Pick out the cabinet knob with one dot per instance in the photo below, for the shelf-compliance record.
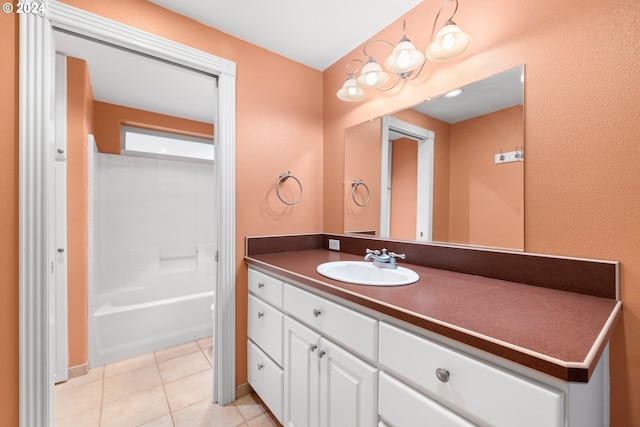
(321, 354)
(260, 285)
(260, 315)
(60, 151)
(313, 348)
(60, 250)
(442, 374)
(316, 312)
(260, 366)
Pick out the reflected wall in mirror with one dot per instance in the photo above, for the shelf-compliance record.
(473, 196)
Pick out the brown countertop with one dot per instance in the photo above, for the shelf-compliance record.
(559, 333)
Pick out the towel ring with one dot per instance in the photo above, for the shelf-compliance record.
(283, 177)
(354, 185)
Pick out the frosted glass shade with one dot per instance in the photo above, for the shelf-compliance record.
(350, 91)
(404, 58)
(448, 43)
(372, 75)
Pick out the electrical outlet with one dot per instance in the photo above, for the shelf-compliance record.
(334, 244)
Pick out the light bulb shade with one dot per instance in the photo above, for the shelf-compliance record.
(404, 58)
(448, 43)
(372, 75)
(350, 91)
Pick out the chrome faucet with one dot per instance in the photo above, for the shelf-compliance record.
(383, 259)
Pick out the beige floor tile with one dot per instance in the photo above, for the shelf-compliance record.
(165, 421)
(131, 382)
(90, 418)
(95, 374)
(207, 414)
(263, 420)
(249, 407)
(178, 350)
(136, 409)
(205, 342)
(129, 364)
(77, 399)
(208, 352)
(183, 366)
(189, 390)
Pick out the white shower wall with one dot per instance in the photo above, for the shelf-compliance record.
(155, 218)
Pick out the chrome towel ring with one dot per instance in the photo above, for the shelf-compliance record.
(283, 177)
(354, 185)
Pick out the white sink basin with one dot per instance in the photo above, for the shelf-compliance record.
(365, 273)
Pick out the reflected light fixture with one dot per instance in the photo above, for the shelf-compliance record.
(449, 42)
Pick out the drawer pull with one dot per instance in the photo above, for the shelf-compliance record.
(260, 285)
(321, 354)
(260, 315)
(316, 312)
(260, 366)
(313, 348)
(442, 374)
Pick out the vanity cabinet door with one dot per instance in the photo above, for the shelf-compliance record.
(480, 392)
(402, 406)
(265, 327)
(301, 375)
(348, 388)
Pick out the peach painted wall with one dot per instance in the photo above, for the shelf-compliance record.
(79, 125)
(487, 199)
(279, 128)
(581, 134)
(362, 162)
(109, 118)
(9, 220)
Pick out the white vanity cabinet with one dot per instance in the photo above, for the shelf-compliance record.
(325, 385)
(265, 339)
(316, 362)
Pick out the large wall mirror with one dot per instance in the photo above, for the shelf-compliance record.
(450, 169)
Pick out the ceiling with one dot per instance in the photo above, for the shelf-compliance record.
(123, 78)
(315, 33)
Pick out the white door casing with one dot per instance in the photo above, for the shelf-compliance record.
(36, 135)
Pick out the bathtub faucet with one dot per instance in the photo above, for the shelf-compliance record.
(383, 259)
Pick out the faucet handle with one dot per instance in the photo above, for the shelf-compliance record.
(395, 255)
(373, 251)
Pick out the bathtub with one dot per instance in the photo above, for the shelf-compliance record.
(139, 320)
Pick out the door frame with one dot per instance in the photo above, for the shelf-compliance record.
(425, 138)
(36, 148)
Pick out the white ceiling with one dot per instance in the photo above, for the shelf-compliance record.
(315, 33)
(124, 78)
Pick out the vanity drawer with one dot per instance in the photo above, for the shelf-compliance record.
(265, 327)
(266, 287)
(475, 389)
(266, 378)
(402, 406)
(351, 329)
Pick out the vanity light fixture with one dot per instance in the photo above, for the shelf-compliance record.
(449, 42)
(453, 93)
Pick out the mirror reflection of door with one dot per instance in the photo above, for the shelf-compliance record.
(406, 205)
(404, 187)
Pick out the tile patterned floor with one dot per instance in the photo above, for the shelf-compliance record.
(167, 388)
